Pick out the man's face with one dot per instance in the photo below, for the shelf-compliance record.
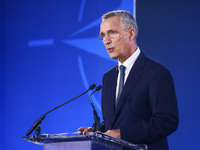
(118, 45)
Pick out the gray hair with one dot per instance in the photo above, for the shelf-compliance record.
(127, 21)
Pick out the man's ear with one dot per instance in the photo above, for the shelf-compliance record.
(132, 34)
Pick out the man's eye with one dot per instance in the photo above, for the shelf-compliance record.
(113, 32)
(103, 35)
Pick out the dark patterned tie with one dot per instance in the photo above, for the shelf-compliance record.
(121, 83)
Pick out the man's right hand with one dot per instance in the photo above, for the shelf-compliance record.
(84, 129)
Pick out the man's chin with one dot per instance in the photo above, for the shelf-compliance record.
(113, 57)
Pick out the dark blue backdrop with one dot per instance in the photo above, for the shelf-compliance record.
(50, 53)
(169, 32)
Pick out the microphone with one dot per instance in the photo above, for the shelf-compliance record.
(39, 121)
(96, 125)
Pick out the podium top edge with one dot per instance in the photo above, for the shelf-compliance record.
(89, 136)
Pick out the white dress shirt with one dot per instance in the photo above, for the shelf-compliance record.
(128, 64)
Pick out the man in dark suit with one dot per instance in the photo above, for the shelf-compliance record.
(138, 97)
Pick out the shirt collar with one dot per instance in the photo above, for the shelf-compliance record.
(131, 60)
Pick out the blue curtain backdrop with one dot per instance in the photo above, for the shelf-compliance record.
(52, 54)
(49, 53)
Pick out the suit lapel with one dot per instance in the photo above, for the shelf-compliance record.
(133, 77)
(111, 83)
(113, 92)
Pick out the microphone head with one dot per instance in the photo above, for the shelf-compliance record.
(99, 87)
(92, 86)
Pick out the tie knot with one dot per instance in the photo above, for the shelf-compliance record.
(122, 68)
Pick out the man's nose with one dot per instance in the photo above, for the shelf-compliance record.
(107, 40)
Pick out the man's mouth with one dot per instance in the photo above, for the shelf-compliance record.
(110, 49)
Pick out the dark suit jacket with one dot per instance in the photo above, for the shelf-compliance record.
(147, 109)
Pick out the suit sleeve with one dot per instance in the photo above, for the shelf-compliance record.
(164, 119)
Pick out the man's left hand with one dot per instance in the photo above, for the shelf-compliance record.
(114, 133)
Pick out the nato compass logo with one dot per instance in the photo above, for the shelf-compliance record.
(84, 43)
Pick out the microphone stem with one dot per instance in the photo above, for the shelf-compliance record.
(39, 121)
(96, 125)
(66, 102)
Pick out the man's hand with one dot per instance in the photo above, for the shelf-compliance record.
(84, 129)
(114, 133)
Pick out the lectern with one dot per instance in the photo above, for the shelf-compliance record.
(82, 141)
